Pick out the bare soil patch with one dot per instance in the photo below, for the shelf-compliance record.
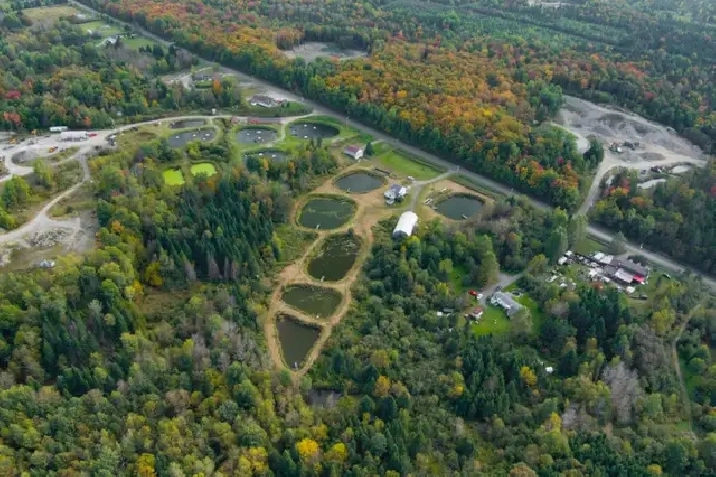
(315, 49)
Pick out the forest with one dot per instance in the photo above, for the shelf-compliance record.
(675, 216)
(465, 82)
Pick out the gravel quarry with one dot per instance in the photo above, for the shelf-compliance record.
(657, 145)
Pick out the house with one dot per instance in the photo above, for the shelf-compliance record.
(355, 151)
(406, 224)
(562, 261)
(475, 314)
(624, 276)
(639, 272)
(264, 101)
(395, 192)
(507, 302)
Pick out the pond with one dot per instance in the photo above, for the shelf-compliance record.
(173, 177)
(296, 339)
(315, 301)
(325, 213)
(312, 130)
(187, 123)
(256, 135)
(203, 168)
(184, 138)
(650, 184)
(359, 182)
(274, 155)
(336, 257)
(459, 206)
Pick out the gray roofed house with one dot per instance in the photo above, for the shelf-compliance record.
(395, 192)
(507, 302)
(632, 267)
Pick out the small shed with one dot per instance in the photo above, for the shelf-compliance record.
(355, 151)
(406, 224)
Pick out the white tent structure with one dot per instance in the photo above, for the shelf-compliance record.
(406, 224)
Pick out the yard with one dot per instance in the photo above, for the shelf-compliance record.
(50, 14)
(105, 29)
(401, 164)
(493, 320)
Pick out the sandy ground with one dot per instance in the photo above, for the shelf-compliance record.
(370, 209)
(314, 49)
(658, 145)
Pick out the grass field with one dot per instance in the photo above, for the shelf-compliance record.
(203, 168)
(493, 321)
(51, 14)
(137, 42)
(401, 164)
(588, 246)
(102, 27)
(173, 177)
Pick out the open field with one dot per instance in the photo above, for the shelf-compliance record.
(402, 164)
(50, 14)
(493, 320)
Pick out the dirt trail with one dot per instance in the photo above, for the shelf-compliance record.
(685, 398)
(369, 210)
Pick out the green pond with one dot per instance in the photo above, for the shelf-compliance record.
(359, 182)
(325, 213)
(296, 340)
(459, 206)
(336, 257)
(173, 177)
(312, 300)
(312, 130)
(203, 168)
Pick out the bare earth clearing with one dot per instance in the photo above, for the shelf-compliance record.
(315, 49)
(657, 144)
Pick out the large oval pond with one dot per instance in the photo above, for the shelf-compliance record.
(184, 138)
(359, 182)
(335, 258)
(325, 213)
(459, 206)
(315, 301)
(273, 155)
(256, 135)
(312, 130)
(296, 339)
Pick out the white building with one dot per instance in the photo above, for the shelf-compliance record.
(406, 224)
(395, 192)
(73, 136)
(58, 129)
(356, 152)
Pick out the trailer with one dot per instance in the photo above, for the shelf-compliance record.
(58, 129)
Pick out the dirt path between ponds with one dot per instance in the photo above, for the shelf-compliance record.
(369, 211)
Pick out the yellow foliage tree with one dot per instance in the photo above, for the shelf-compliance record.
(382, 387)
(145, 466)
(307, 449)
(528, 376)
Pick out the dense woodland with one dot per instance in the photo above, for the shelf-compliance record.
(465, 81)
(676, 216)
(145, 356)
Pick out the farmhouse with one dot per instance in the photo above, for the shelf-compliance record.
(395, 192)
(639, 272)
(507, 302)
(406, 224)
(264, 101)
(355, 151)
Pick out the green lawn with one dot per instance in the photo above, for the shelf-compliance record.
(588, 246)
(401, 164)
(203, 168)
(456, 279)
(173, 177)
(102, 27)
(137, 42)
(493, 320)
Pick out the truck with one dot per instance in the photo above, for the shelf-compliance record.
(58, 129)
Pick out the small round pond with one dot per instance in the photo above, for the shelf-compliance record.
(187, 123)
(273, 155)
(315, 301)
(359, 182)
(680, 169)
(203, 168)
(173, 177)
(184, 138)
(325, 213)
(312, 130)
(296, 339)
(337, 255)
(256, 135)
(459, 206)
